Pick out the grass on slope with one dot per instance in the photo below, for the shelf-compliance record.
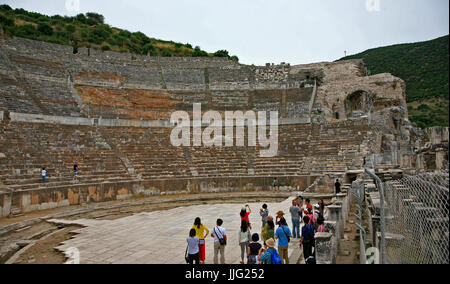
(89, 30)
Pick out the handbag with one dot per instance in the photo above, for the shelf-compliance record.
(288, 238)
(222, 240)
(201, 242)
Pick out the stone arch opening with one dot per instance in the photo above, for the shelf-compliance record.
(356, 104)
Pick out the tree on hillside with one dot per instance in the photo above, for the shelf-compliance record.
(96, 17)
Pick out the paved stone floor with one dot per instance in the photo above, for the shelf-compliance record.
(160, 237)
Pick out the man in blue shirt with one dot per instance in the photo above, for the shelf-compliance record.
(283, 235)
(307, 239)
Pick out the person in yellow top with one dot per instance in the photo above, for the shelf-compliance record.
(200, 230)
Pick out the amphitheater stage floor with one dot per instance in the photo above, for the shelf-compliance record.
(160, 237)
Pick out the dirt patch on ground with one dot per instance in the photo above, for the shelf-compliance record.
(43, 252)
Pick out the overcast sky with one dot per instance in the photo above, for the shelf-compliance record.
(260, 31)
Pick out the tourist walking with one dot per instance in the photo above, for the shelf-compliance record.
(306, 206)
(307, 238)
(300, 205)
(337, 186)
(193, 247)
(75, 171)
(201, 231)
(312, 219)
(321, 207)
(220, 241)
(268, 231)
(245, 215)
(253, 250)
(283, 235)
(295, 216)
(276, 185)
(264, 212)
(44, 174)
(244, 239)
(268, 254)
(320, 224)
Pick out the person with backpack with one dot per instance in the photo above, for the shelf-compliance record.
(192, 251)
(283, 235)
(312, 219)
(268, 254)
(220, 241)
(200, 229)
(244, 239)
(307, 239)
(253, 250)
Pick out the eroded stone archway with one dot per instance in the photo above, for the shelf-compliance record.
(358, 103)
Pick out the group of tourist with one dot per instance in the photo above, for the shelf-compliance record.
(44, 173)
(254, 252)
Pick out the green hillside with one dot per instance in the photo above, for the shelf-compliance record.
(90, 30)
(425, 68)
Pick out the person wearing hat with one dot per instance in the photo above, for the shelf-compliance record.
(265, 254)
(280, 214)
(283, 235)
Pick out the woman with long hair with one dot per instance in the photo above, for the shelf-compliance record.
(244, 239)
(268, 231)
(200, 230)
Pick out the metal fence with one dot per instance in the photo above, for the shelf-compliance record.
(358, 192)
(417, 219)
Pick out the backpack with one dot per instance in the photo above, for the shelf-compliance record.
(275, 257)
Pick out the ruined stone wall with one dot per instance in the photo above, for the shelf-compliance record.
(77, 194)
(49, 79)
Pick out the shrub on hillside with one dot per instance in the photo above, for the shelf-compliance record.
(45, 29)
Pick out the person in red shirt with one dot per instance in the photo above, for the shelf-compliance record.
(307, 206)
(244, 215)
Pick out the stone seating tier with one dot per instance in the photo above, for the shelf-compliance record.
(27, 147)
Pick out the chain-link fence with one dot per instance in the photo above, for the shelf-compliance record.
(417, 219)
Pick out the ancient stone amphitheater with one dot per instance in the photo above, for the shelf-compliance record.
(109, 113)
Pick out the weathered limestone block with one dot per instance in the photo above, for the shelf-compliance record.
(331, 227)
(5, 204)
(324, 248)
(335, 212)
